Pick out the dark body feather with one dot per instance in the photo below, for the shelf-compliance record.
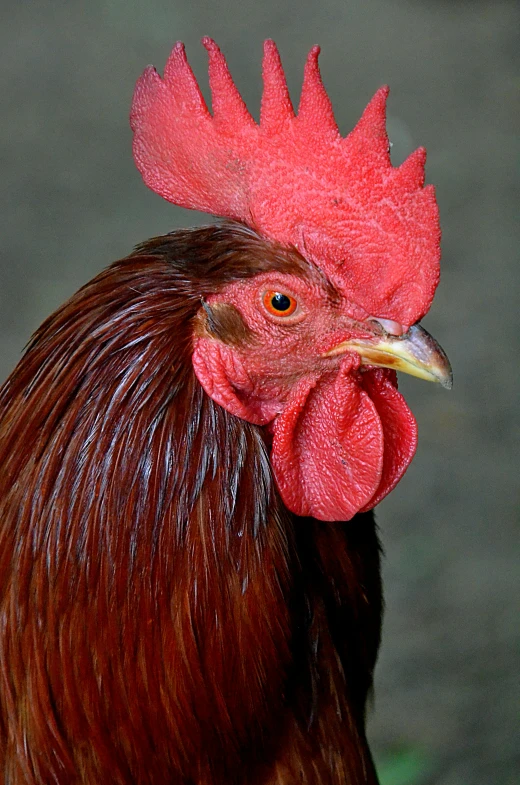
(163, 617)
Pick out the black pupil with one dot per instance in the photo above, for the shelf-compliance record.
(280, 302)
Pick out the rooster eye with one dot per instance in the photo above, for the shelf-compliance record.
(279, 304)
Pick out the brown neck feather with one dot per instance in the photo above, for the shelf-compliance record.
(163, 615)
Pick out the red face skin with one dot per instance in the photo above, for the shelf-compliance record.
(342, 437)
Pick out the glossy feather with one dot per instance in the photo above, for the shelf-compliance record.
(163, 617)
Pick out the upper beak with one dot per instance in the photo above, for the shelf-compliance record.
(414, 352)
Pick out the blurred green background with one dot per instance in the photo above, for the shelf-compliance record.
(71, 202)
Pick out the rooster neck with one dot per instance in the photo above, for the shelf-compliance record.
(165, 618)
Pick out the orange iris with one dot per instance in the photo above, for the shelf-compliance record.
(279, 303)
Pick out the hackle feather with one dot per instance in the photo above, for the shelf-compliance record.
(162, 618)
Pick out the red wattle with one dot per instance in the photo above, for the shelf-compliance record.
(399, 429)
(328, 444)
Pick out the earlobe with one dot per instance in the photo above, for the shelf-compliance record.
(221, 372)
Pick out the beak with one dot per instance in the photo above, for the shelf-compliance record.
(414, 352)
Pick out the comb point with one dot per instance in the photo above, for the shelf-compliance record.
(370, 132)
(226, 102)
(180, 81)
(315, 109)
(411, 172)
(276, 107)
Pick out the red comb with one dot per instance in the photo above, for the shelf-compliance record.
(373, 229)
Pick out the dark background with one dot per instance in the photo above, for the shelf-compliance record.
(71, 202)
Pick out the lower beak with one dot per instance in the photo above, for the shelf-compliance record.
(414, 352)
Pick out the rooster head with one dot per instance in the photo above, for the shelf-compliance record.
(310, 346)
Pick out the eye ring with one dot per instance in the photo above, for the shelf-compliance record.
(279, 304)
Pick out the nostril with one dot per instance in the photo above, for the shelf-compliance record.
(389, 326)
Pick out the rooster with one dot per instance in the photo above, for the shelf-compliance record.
(192, 446)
